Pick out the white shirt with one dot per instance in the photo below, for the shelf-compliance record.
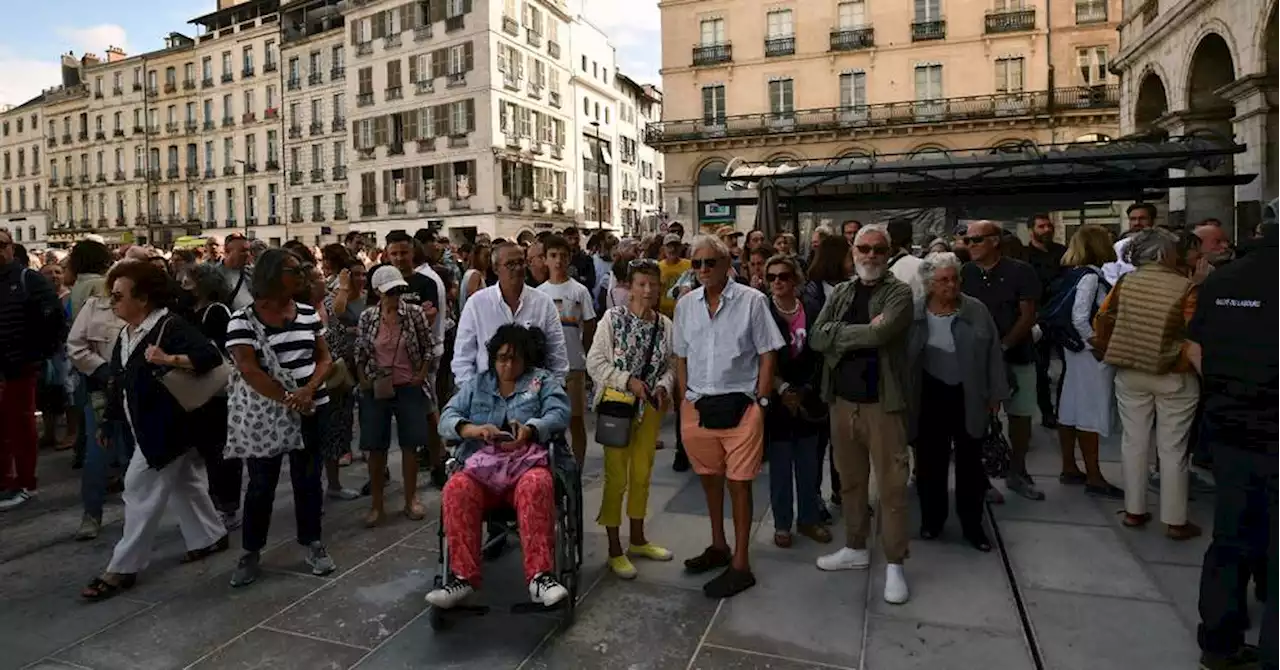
(437, 325)
(574, 303)
(723, 350)
(1118, 268)
(486, 311)
(129, 340)
(907, 269)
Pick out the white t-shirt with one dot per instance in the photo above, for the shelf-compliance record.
(574, 303)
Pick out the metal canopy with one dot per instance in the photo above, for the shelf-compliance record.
(993, 183)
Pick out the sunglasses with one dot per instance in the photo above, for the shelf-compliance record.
(781, 276)
(643, 263)
(708, 263)
(977, 239)
(878, 249)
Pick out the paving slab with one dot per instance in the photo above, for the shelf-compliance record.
(796, 611)
(1088, 632)
(630, 625)
(685, 536)
(802, 549)
(346, 538)
(36, 627)
(894, 644)
(691, 499)
(1062, 504)
(496, 641)
(1077, 559)
(711, 657)
(180, 631)
(1150, 543)
(261, 649)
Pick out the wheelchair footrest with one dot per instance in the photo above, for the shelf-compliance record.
(468, 610)
(531, 607)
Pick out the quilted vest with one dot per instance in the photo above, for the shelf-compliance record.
(1150, 326)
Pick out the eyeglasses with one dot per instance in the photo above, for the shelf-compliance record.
(878, 249)
(518, 264)
(708, 263)
(977, 239)
(781, 276)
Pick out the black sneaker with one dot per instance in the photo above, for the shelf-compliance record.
(1245, 658)
(710, 559)
(247, 570)
(729, 583)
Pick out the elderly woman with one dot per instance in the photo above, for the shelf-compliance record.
(625, 335)
(1142, 327)
(511, 406)
(796, 419)
(165, 472)
(281, 358)
(1087, 403)
(394, 353)
(957, 367)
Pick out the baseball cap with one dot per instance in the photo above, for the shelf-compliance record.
(386, 278)
(671, 238)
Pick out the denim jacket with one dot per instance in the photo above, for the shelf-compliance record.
(539, 401)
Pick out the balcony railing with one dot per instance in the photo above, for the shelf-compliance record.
(317, 127)
(207, 82)
(928, 30)
(364, 48)
(270, 66)
(339, 124)
(317, 175)
(315, 78)
(780, 46)
(339, 172)
(1011, 21)
(295, 132)
(1091, 11)
(246, 72)
(338, 72)
(422, 33)
(339, 214)
(171, 87)
(294, 83)
(852, 39)
(510, 26)
(553, 48)
(453, 23)
(227, 77)
(317, 217)
(188, 84)
(887, 115)
(712, 54)
(295, 177)
(364, 99)
(533, 38)
(394, 93)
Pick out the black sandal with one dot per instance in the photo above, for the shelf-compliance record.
(979, 542)
(99, 589)
(710, 559)
(223, 544)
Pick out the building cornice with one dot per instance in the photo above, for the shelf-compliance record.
(1166, 23)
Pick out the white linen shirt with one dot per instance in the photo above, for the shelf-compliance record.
(722, 351)
(129, 341)
(442, 310)
(486, 311)
(1118, 268)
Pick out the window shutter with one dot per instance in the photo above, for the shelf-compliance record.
(442, 181)
(355, 32)
(411, 125)
(355, 132)
(435, 10)
(386, 185)
(412, 183)
(439, 61)
(468, 57)
(471, 115)
(425, 128)
(413, 69)
(406, 16)
(466, 6)
(379, 25)
(440, 114)
(380, 131)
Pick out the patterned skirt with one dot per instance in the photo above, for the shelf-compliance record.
(337, 436)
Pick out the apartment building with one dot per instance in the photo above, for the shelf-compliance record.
(596, 101)
(845, 79)
(457, 119)
(640, 165)
(23, 212)
(1190, 66)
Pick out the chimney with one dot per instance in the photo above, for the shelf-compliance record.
(89, 59)
(115, 54)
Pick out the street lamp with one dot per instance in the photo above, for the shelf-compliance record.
(599, 190)
(244, 191)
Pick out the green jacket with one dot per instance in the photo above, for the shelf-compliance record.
(833, 338)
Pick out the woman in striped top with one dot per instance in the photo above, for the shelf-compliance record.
(293, 332)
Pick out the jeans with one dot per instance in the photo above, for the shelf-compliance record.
(794, 462)
(1244, 544)
(305, 467)
(98, 460)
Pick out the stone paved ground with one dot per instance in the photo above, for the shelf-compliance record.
(1067, 588)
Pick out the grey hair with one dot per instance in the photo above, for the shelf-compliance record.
(1152, 245)
(824, 231)
(876, 228)
(268, 273)
(497, 251)
(935, 261)
(709, 242)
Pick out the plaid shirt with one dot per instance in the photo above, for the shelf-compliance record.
(414, 331)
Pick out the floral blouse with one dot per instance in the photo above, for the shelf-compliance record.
(617, 352)
(416, 332)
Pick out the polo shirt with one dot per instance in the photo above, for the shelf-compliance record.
(1001, 289)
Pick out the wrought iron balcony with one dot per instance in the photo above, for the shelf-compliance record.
(117, 90)
(118, 132)
(246, 72)
(172, 173)
(317, 217)
(510, 26)
(364, 99)
(338, 72)
(207, 82)
(712, 54)
(295, 177)
(295, 217)
(227, 77)
(295, 132)
(295, 83)
(270, 66)
(317, 127)
(852, 39)
(188, 84)
(339, 124)
(66, 138)
(553, 48)
(339, 214)
(1091, 11)
(887, 115)
(315, 78)
(364, 48)
(533, 38)
(339, 172)
(1011, 21)
(422, 33)
(171, 127)
(83, 136)
(317, 175)
(394, 93)
(453, 23)
(228, 121)
(273, 164)
(780, 46)
(171, 87)
(928, 30)
(100, 135)
(53, 142)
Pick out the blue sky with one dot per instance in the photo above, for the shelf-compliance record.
(32, 41)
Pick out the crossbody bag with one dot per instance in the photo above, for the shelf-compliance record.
(617, 411)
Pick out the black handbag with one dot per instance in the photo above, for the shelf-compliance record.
(614, 419)
(995, 453)
(722, 412)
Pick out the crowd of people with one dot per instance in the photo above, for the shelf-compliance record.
(186, 379)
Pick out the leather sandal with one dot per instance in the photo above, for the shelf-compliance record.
(1136, 520)
(1184, 532)
(223, 544)
(100, 589)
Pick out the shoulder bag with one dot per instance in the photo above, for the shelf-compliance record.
(383, 385)
(617, 410)
(257, 426)
(191, 390)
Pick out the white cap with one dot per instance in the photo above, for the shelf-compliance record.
(386, 278)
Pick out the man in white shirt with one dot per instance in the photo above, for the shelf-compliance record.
(902, 264)
(578, 321)
(1141, 217)
(509, 301)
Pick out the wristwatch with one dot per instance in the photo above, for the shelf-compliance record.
(763, 402)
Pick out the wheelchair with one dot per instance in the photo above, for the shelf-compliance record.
(501, 524)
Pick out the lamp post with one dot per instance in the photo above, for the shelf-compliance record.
(244, 191)
(599, 192)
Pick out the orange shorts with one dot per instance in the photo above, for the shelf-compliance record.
(735, 453)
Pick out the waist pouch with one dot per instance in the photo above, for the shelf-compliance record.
(722, 412)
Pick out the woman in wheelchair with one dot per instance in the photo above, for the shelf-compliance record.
(510, 410)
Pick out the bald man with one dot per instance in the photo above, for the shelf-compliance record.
(1214, 243)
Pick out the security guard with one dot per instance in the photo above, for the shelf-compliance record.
(1234, 346)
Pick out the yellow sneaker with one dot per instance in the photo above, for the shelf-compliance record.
(622, 567)
(650, 551)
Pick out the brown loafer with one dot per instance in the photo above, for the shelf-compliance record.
(782, 539)
(1184, 532)
(817, 533)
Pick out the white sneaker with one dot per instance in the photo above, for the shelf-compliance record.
(451, 594)
(546, 591)
(846, 559)
(895, 585)
(17, 499)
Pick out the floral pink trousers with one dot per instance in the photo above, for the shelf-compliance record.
(465, 501)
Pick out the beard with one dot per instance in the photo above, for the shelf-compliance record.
(869, 272)
(1044, 238)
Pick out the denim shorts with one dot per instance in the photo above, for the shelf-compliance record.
(410, 407)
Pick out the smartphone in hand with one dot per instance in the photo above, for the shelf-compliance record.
(503, 437)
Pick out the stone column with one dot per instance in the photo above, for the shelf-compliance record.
(1254, 125)
(1190, 205)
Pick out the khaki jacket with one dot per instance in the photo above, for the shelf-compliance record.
(833, 338)
(93, 335)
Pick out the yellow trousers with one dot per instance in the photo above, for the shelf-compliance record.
(627, 471)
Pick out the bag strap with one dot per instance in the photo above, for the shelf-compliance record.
(236, 291)
(653, 342)
(268, 354)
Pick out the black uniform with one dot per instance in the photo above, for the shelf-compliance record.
(1235, 325)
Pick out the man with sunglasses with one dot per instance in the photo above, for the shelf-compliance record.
(862, 334)
(1010, 290)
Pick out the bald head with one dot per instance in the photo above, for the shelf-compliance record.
(1214, 242)
(984, 241)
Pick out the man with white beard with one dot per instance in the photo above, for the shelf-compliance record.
(862, 336)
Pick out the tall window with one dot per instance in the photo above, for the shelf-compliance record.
(1093, 65)
(781, 98)
(713, 109)
(852, 14)
(779, 24)
(210, 205)
(853, 89)
(928, 82)
(1009, 75)
(712, 32)
(928, 10)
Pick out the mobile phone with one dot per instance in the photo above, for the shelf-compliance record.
(504, 437)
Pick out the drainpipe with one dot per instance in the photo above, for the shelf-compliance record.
(1048, 49)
